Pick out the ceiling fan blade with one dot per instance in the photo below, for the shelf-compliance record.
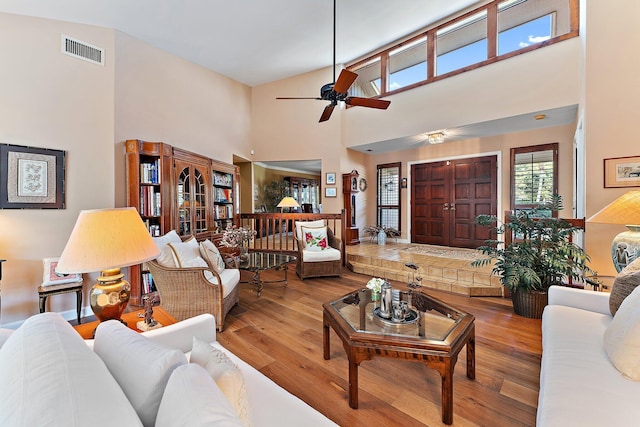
(319, 99)
(368, 102)
(326, 113)
(344, 82)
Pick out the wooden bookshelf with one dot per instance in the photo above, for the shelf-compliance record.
(174, 189)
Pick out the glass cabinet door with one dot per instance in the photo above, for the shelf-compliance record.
(184, 202)
(200, 203)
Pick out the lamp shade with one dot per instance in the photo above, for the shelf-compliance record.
(288, 202)
(624, 210)
(105, 239)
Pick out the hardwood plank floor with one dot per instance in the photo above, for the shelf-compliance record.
(280, 333)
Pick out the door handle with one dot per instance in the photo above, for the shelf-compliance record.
(453, 206)
(445, 207)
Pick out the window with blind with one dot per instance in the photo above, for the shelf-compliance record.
(534, 175)
(388, 203)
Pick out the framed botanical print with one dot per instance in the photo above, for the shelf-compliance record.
(331, 178)
(31, 178)
(622, 172)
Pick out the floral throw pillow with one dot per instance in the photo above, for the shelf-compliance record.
(315, 239)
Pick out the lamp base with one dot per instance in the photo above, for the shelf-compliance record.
(626, 247)
(110, 296)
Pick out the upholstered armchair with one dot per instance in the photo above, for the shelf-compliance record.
(319, 251)
(199, 281)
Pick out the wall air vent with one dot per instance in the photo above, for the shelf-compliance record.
(82, 50)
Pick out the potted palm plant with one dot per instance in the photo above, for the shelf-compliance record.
(540, 255)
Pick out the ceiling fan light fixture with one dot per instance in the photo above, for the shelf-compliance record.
(435, 138)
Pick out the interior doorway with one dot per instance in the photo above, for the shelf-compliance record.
(446, 196)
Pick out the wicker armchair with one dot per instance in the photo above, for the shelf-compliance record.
(309, 266)
(185, 292)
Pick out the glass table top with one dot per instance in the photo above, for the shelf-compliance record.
(265, 261)
(426, 318)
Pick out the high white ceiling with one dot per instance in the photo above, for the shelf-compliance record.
(252, 41)
(260, 41)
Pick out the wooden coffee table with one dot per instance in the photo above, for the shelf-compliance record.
(433, 333)
(131, 318)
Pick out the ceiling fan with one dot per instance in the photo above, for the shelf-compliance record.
(338, 90)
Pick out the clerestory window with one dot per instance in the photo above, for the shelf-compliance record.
(498, 30)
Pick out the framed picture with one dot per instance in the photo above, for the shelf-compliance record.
(331, 178)
(330, 192)
(622, 172)
(51, 277)
(31, 178)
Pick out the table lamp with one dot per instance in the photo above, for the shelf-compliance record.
(105, 240)
(624, 210)
(288, 202)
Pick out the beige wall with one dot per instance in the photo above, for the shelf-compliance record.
(611, 110)
(55, 101)
(495, 145)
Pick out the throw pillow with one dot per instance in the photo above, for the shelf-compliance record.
(624, 284)
(310, 224)
(165, 258)
(211, 255)
(142, 371)
(226, 375)
(315, 239)
(192, 398)
(187, 254)
(622, 337)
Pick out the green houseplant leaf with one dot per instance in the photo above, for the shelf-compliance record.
(540, 255)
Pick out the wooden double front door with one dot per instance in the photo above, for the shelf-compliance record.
(447, 196)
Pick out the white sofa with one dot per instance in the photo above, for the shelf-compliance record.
(579, 385)
(51, 377)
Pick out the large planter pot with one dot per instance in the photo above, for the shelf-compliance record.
(529, 303)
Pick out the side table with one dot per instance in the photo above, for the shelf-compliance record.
(131, 319)
(64, 288)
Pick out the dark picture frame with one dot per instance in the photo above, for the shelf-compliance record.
(31, 177)
(622, 172)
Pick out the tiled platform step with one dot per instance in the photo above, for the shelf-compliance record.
(443, 272)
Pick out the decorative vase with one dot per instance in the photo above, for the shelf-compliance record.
(529, 303)
(375, 296)
(244, 253)
(382, 237)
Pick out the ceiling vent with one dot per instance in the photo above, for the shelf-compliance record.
(82, 50)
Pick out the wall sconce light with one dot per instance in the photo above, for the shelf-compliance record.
(436, 138)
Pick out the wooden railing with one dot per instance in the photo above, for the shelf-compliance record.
(275, 231)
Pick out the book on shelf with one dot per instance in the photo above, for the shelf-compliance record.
(150, 202)
(224, 195)
(225, 179)
(147, 283)
(149, 172)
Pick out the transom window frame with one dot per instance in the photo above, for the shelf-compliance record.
(492, 47)
(533, 149)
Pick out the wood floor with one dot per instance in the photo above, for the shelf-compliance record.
(280, 333)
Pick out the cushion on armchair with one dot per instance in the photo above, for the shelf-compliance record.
(166, 258)
(211, 255)
(315, 238)
(309, 224)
